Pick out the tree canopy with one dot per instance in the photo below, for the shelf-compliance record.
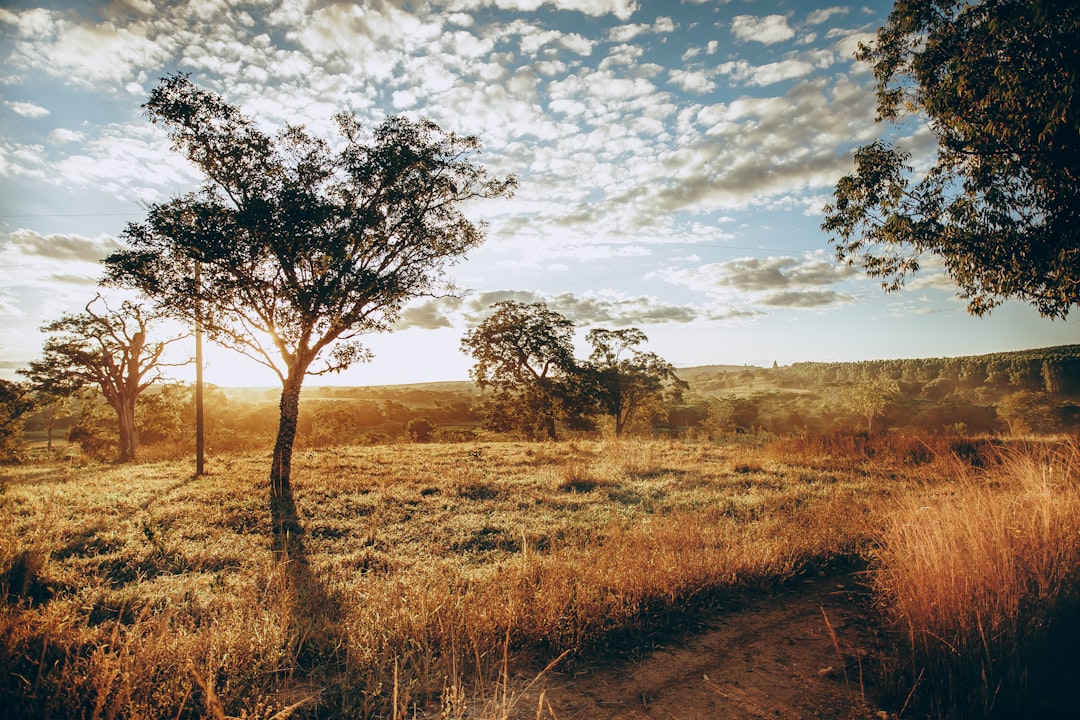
(997, 83)
(303, 246)
(107, 348)
(625, 379)
(525, 352)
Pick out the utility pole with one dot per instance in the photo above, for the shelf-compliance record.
(199, 443)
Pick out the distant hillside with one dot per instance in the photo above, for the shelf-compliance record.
(1055, 370)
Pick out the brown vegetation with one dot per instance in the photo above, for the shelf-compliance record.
(435, 578)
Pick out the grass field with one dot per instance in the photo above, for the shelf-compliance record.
(434, 580)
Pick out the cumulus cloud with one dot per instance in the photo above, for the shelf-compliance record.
(85, 53)
(626, 33)
(61, 247)
(610, 308)
(697, 81)
(27, 109)
(741, 71)
(620, 311)
(430, 315)
(63, 136)
(807, 299)
(819, 16)
(786, 281)
(621, 9)
(752, 149)
(767, 30)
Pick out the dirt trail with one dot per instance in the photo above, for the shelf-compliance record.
(770, 658)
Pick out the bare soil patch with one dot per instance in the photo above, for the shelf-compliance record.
(807, 651)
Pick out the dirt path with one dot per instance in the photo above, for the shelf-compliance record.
(771, 658)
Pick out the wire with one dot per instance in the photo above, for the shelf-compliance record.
(50, 215)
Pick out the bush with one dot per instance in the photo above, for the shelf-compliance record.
(420, 429)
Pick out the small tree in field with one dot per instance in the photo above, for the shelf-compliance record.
(525, 352)
(625, 379)
(302, 247)
(105, 348)
(420, 429)
(869, 398)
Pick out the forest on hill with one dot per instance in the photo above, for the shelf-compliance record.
(1029, 391)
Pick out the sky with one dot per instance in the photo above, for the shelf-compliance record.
(674, 159)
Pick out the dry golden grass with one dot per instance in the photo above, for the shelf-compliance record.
(982, 577)
(437, 578)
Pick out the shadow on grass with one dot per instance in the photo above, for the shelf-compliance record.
(317, 639)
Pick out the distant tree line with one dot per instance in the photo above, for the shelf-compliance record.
(1024, 391)
(1030, 391)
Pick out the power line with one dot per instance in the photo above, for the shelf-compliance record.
(51, 215)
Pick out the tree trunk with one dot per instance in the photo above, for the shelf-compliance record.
(129, 433)
(549, 426)
(281, 499)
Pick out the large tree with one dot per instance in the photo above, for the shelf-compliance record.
(107, 348)
(624, 378)
(525, 353)
(303, 247)
(997, 82)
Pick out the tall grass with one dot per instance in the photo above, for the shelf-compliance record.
(426, 577)
(433, 577)
(981, 576)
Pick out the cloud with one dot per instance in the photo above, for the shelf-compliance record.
(73, 279)
(697, 81)
(819, 16)
(27, 109)
(430, 315)
(767, 30)
(622, 9)
(775, 282)
(63, 136)
(62, 247)
(8, 307)
(86, 53)
(771, 273)
(620, 311)
(626, 33)
(755, 148)
(583, 310)
(807, 299)
(761, 75)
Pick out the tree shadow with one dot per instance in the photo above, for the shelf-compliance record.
(317, 638)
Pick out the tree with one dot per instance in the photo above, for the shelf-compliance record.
(420, 429)
(302, 247)
(54, 394)
(1027, 412)
(625, 379)
(106, 348)
(870, 397)
(15, 401)
(55, 409)
(998, 84)
(525, 352)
